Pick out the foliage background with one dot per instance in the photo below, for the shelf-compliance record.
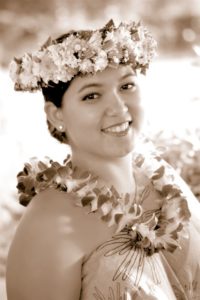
(170, 91)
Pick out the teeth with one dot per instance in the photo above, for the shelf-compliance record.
(119, 128)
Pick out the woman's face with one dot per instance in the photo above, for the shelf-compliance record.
(102, 113)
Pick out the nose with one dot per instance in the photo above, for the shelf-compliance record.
(116, 105)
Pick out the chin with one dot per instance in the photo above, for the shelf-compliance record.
(122, 151)
(125, 152)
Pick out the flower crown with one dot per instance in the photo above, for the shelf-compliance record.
(84, 52)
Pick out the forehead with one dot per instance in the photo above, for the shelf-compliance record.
(107, 76)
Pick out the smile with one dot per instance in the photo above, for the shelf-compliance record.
(118, 130)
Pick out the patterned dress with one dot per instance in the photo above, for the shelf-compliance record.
(118, 271)
(154, 254)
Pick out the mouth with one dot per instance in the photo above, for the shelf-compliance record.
(118, 129)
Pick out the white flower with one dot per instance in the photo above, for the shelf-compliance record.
(86, 66)
(95, 40)
(47, 69)
(145, 231)
(110, 36)
(116, 59)
(72, 62)
(26, 76)
(14, 70)
(27, 79)
(36, 69)
(56, 52)
(63, 74)
(75, 44)
(87, 53)
(141, 33)
(122, 36)
(101, 61)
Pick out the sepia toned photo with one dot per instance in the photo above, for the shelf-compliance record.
(100, 150)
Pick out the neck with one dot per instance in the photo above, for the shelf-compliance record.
(115, 172)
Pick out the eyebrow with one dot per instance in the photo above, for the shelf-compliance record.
(127, 75)
(89, 86)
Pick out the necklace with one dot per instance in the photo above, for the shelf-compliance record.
(151, 230)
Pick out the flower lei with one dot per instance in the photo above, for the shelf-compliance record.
(150, 230)
(84, 52)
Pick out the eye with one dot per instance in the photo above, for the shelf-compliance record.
(129, 86)
(91, 96)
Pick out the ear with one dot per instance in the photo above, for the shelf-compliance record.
(54, 114)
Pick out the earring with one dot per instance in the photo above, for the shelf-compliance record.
(60, 127)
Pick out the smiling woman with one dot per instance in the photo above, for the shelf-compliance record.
(114, 207)
(100, 104)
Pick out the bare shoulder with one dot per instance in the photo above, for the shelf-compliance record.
(46, 254)
(51, 212)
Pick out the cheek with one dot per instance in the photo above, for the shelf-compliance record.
(81, 121)
(137, 113)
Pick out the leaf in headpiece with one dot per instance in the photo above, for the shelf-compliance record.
(109, 26)
(47, 43)
(86, 34)
(144, 69)
(17, 60)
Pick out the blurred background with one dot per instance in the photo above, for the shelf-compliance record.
(171, 89)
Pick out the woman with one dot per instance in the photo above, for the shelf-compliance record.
(110, 223)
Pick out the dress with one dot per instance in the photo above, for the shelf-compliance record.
(154, 254)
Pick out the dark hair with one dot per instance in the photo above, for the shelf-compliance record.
(54, 93)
